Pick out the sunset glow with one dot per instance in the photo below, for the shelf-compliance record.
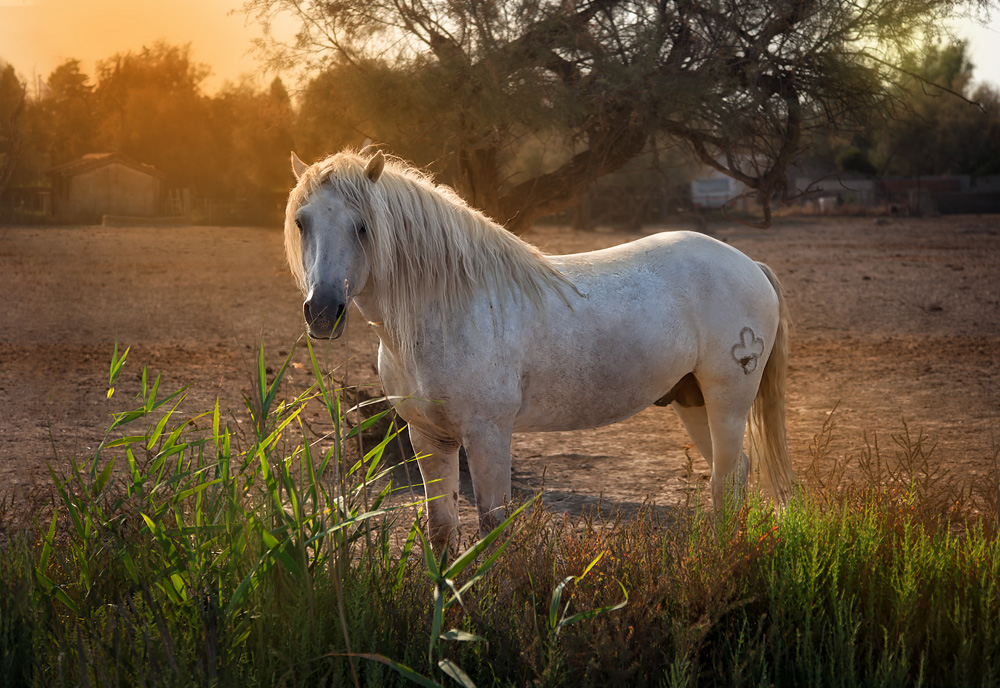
(37, 36)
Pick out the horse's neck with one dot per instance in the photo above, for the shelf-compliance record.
(428, 321)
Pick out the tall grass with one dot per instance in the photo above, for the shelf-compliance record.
(198, 550)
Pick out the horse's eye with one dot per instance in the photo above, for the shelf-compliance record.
(298, 223)
(362, 230)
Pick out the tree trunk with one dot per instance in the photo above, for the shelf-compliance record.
(611, 147)
(479, 180)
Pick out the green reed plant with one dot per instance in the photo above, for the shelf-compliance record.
(173, 529)
(18, 622)
(445, 594)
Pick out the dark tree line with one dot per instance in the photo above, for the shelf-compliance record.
(150, 105)
(940, 133)
(522, 104)
(943, 123)
(12, 101)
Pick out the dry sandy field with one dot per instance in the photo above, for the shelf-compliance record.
(895, 320)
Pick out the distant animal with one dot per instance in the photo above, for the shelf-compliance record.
(482, 335)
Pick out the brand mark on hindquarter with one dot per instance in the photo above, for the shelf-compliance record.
(748, 350)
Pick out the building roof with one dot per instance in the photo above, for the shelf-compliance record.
(92, 161)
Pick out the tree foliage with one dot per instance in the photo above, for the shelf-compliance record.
(738, 82)
(946, 126)
(152, 109)
(70, 114)
(251, 133)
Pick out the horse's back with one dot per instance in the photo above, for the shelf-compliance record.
(674, 277)
(676, 255)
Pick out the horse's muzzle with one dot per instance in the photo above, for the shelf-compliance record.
(326, 320)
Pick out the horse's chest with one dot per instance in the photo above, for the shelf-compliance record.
(445, 391)
(414, 405)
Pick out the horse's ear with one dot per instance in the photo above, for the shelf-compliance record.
(366, 148)
(298, 167)
(375, 166)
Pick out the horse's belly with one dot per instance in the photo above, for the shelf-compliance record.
(601, 379)
(579, 412)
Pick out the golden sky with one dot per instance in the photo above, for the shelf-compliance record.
(38, 35)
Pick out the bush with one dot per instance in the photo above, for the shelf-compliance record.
(855, 160)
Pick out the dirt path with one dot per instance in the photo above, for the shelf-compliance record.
(893, 321)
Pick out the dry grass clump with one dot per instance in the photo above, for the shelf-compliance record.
(912, 479)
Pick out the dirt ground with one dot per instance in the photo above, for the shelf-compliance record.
(894, 320)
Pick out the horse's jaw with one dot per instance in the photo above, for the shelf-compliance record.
(367, 305)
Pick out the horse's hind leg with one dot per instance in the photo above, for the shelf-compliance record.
(725, 412)
(730, 464)
(695, 420)
(439, 470)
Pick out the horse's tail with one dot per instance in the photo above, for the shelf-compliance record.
(768, 439)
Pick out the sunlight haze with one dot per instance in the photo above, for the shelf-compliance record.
(38, 37)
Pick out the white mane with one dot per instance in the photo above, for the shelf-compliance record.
(426, 245)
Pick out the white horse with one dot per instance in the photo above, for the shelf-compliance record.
(482, 335)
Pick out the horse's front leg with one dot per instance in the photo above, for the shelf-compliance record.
(438, 462)
(488, 450)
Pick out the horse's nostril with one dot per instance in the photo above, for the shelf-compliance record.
(323, 318)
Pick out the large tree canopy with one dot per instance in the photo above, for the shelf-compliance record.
(737, 81)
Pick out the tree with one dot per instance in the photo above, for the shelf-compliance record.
(738, 81)
(152, 109)
(942, 126)
(12, 101)
(70, 113)
(984, 159)
(252, 134)
(856, 160)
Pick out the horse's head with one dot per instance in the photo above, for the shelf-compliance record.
(326, 238)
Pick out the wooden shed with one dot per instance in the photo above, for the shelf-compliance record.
(106, 184)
